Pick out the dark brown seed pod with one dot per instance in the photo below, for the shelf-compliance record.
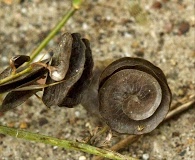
(61, 59)
(16, 98)
(18, 60)
(71, 66)
(134, 96)
(76, 93)
(15, 62)
(68, 93)
(36, 73)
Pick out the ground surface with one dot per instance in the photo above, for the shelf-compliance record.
(113, 33)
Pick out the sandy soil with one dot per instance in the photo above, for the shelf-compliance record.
(167, 40)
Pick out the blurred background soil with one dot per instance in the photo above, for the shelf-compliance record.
(162, 32)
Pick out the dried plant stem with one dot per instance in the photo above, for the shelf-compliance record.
(69, 145)
(179, 109)
(124, 142)
(103, 130)
(183, 100)
(52, 33)
(132, 138)
(13, 76)
(75, 6)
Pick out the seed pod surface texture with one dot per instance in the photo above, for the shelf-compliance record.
(134, 96)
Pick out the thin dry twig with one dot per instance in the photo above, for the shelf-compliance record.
(183, 100)
(179, 109)
(132, 138)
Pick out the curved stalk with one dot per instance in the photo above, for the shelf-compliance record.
(67, 144)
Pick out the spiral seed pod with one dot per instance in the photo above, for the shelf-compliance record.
(76, 68)
(134, 96)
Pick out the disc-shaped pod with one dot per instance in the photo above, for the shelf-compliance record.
(134, 96)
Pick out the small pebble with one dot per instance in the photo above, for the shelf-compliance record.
(157, 5)
(82, 158)
(139, 53)
(175, 134)
(163, 138)
(42, 121)
(55, 147)
(39, 158)
(2, 135)
(173, 62)
(1, 114)
(168, 27)
(29, 102)
(180, 92)
(182, 153)
(11, 124)
(23, 125)
(145, 156)
(77, 113)
(135, 44)
(4, 59)
(85, 26)
(192, 20)
(8, 2)
(24, 10)
(184, 27)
